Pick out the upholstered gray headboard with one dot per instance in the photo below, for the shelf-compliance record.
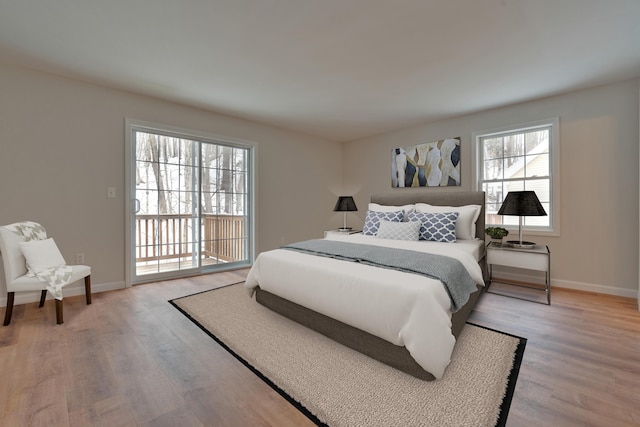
(439, 198)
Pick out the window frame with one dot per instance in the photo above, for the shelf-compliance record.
(554, 169)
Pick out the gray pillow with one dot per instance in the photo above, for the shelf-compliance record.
(399, 230)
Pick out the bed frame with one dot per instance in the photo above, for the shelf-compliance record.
(363, 342)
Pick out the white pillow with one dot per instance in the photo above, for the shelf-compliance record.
(41, 255)
(467, 217)
(387, 208)
(399, 230)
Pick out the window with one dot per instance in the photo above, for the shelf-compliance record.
(191, 198)
(517, 158)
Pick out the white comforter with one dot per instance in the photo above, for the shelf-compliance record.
(402, 308)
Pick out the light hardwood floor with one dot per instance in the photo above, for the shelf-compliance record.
(131, 359)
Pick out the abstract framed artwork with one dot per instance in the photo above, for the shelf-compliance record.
(432, 164)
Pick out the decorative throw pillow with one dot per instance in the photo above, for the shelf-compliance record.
(388, 208)
(41, 255)
(436, 227)
(467, 217)
(372, 221)
(399, 230)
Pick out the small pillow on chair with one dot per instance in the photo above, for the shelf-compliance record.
(41, 255)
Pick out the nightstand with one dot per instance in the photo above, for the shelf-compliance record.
(341, 233)
(537, 258)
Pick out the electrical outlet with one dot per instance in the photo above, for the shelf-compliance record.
(79, 258)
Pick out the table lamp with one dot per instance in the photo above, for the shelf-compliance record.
(521, 203)
(345, 204)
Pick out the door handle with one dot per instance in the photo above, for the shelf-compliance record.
(136, 203)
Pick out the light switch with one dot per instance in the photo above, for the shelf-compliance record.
(111, 192)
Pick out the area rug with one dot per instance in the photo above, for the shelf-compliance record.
(339, 387)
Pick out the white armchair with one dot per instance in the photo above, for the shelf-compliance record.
(18, 279)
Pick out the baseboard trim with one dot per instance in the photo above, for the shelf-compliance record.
(592, 287)
(569, 284)
(69, 291)
(78, 288)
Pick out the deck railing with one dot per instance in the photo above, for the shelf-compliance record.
(223, 237)
(165, 237)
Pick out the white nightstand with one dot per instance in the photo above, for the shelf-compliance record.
(537, 258)
(341, 233)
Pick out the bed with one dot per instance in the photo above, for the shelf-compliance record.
(402, 319)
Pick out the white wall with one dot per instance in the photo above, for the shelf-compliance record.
(597, 247)
(62, 144)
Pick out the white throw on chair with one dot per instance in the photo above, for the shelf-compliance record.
(33, 263)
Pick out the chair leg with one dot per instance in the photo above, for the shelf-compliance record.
(59, 318)
(9, 310)
(43, 296)
(87, 289)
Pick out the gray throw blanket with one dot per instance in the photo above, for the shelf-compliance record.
(456, 279)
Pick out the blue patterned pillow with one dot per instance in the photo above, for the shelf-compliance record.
(372, 221)
(436, 227)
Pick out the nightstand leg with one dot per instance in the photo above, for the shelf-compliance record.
(547, 280)
(490, 277)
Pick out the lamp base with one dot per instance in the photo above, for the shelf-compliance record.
(520, 244)
(345, 229)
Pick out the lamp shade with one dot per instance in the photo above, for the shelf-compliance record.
(522, 203)
(345, 204)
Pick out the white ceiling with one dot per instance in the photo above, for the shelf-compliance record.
(337, 69)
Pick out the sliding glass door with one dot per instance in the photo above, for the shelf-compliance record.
(190, 200)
